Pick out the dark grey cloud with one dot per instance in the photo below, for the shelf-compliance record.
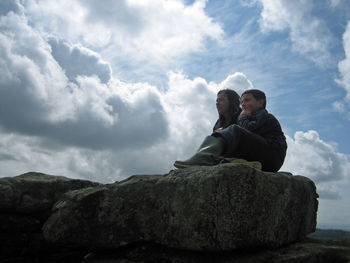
(135, 127)
(37, 97)
(7, 157)
(77, 61)
(328, 194)
(20, 105)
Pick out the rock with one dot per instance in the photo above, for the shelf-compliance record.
(25, 204)
(220, 208)
(35, 192)
(306, 251)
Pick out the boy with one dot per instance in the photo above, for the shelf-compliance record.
(257, 137)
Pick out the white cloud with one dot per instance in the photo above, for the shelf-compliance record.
(238, 82)
(79, 116)
(64, 19)
(31, 80)
(38, 98)
(343, 106)
(344, 65)
(141, 30)
(339, 106)
(20, 154)
(310, 35)
(310, 156)
(334, 3)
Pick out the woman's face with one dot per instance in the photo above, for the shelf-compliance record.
(222, 103)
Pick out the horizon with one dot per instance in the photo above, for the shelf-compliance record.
(103, 92)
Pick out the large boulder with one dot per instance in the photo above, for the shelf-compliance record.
(25, 203)
(215, 208)
(35, 192)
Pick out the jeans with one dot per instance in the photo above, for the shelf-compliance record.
(242, 143)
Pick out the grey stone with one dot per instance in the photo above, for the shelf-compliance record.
(25, 203)
(217, 208)
(34, 192)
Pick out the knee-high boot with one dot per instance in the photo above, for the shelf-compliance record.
(207, 154)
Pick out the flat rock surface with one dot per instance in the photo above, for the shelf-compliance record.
(216, 208)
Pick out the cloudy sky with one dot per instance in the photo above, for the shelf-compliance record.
(102, 90)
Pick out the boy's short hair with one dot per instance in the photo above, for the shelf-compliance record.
(257, 94)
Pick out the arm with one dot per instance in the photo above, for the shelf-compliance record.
(253, 121)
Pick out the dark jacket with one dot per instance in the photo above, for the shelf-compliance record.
(267, 126)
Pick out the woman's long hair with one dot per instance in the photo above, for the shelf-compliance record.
(234, 109)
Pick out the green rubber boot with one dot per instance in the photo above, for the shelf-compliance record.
(206, 155)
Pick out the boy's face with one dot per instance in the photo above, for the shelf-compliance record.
(250, 104)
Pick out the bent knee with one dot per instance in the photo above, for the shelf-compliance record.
(236, 129)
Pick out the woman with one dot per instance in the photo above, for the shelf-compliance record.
(227, 105)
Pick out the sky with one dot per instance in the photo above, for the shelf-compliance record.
(102, 90)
